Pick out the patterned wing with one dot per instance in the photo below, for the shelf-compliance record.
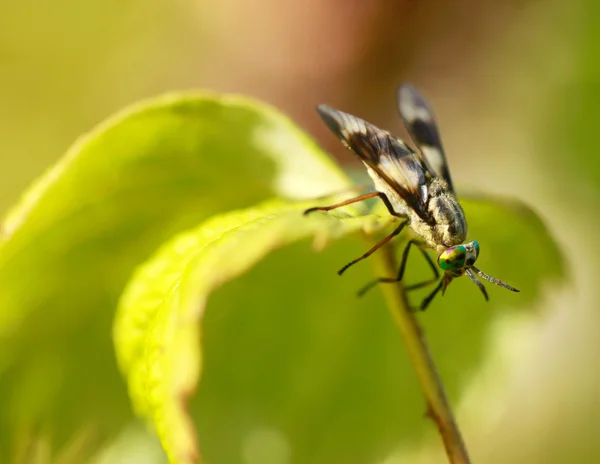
(390, 159)
(420, 123)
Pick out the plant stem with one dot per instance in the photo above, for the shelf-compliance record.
(438, 408)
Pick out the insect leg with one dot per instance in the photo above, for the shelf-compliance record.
(366, 196)
(400, 275)
(431, 296)
(375, 248)
(432, 266)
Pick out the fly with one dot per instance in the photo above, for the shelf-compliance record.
(415, 187)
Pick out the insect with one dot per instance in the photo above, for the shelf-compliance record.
(416, 187)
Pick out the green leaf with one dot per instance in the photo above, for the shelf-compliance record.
(69, 246)
(357, 386)
(292, 362)
(157, 330)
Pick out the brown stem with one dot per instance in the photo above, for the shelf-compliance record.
(438, 408)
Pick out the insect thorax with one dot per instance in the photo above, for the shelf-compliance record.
(446, 225)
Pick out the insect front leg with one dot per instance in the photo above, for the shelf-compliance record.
(429, 298)
(400, 276)
(432, 266)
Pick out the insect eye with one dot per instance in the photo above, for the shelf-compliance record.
(453, 259)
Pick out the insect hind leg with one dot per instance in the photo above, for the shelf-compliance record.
(366, 196)
(400, 276)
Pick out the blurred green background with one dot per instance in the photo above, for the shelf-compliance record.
(516, 88)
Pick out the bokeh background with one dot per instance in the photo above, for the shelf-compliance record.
(516, 88)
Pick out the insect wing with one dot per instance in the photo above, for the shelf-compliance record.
(387, 156)
(420, 123)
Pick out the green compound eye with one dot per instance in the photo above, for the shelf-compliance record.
(453, 259)
(460, 257)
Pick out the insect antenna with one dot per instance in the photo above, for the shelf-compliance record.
(478, 282)
(494, 281)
